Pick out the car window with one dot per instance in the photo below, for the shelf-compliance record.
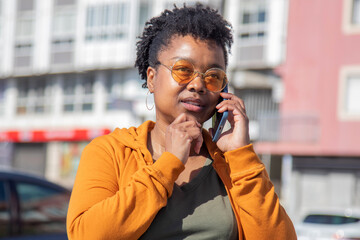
(4, 211)
(330, 219)
(42, 209)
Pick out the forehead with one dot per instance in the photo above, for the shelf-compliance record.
(200, 52)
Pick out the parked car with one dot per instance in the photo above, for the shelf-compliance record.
(329, 225)
(31, 207)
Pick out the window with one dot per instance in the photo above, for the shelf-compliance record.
(42, 209)
(355, 14)
(251, 31)
(34, 96)
(253, 12)
(78, 93)
(25, 18)
(25, 5)
(351, 17)
(69, 93)
(352, 99)
(24, 27)
(23, 55)
(246, 18)
(114, 85)
(87, 91)
(107, 21)
(24, 31)
(144, 15)
(62, 51)
(257, 16)
(349, 107)
(64, 22)
(64, 2)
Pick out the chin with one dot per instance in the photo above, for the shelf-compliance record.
(200, 117)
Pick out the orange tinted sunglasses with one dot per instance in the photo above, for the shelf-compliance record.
(184, 72)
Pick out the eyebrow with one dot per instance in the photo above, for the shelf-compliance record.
(214, 65)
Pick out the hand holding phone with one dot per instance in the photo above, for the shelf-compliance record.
(219, 120)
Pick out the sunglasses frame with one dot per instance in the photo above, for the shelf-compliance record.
(195, 74)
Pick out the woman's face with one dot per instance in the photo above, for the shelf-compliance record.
(171, 98)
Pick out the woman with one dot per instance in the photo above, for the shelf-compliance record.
(169, 180)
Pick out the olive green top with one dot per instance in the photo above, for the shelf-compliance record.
(197, 210)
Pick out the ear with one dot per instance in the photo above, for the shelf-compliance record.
(150, 78)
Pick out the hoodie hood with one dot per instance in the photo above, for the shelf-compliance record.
(136, 139)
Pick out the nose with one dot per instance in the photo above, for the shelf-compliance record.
(197, 84)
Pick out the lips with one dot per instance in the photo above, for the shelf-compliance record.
(193, 104)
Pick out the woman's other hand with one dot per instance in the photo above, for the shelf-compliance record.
(238, 135)
(183, 133)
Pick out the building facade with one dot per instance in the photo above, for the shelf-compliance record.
(259, 48)
(317, 132)
(67, 74)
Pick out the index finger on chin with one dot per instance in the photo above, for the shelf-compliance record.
(181, 118)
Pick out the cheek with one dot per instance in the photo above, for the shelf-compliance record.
(216, 100)
(164, 81)
(166, 90)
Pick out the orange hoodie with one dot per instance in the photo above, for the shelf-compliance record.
(119, 190)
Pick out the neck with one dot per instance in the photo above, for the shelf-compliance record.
(158, 133)
(156, 142)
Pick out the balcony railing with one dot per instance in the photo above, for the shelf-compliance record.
(290, 128)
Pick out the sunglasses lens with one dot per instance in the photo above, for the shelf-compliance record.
(183, 71)
(215, 80)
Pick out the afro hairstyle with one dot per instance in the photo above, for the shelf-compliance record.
(201, 22)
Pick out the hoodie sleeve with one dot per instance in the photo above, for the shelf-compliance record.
(257, 205)
(106, 205)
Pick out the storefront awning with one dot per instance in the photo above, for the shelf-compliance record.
(52, 135)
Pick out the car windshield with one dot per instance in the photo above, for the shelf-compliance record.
(329, 219)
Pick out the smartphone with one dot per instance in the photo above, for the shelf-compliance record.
(219, 120)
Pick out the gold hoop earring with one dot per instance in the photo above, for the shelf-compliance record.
(146, 102)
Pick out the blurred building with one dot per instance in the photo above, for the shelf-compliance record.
(67, 73)
(317, 131)
(259, 47)
(67, 76)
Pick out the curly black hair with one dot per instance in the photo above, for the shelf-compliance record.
(200, 21)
